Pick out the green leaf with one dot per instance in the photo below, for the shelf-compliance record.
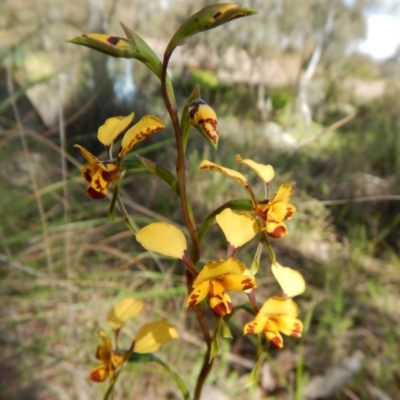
(161, 172)
(252, 380)
(115, 196)
(186, 123)
(215, 340)
(207, 18)
(135, 357)
(255, 265)
(226, 332)
(149, 58)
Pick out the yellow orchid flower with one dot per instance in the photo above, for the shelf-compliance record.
(111, 360)
(273, 211)
(217, 277)
(277, 210)
(277, 315)
(149, 338)
(99, 174)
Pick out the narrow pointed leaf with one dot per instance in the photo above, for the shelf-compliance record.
(149, 58)
(115, 196)
(161, 172)
(252, 380)
(186, 123)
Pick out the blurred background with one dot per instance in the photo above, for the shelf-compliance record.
(311, 87)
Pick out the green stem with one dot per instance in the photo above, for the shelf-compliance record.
(180, 162)
(205, 370)
(270, 250)
(189, 220)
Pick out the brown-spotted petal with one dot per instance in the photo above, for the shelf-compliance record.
(99, 374)
(237, 176)
(220, 301)
(147, 126)
(237, 283)
(198, 294)
(89, 157)
(289, 326)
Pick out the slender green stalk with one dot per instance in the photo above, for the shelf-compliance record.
(189, 221)
(180, 163)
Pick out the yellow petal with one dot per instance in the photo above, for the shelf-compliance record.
(217, 269)
(290, 280)
(98, 186)
(198, 294)
(279, 306)
(276, 230)
(255, 326)
(123, 311)
(289, 326)
(99, 374)
(203, 117)
(88, 171)
(284, 193)
(112, 128)
(238, 228)
(152, 335)
(237, 283)
(163, 238)
(103, 352)
(237, 176)
(89, 157)
(220, 302)
(275, 338)
(265, 172)
(140, 131)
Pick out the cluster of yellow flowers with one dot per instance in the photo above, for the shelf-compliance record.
(277, 315)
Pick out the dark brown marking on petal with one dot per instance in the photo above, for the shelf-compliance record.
(289, 213)
(296, 332)
(248, 284)
(194, 107)
(250, 328)
(217, 15)
(222, 309)
(86, 172)
(113, 40)
(276, 341)
(278, 232)
(95, 376)
(94, 194)
(84, 35)
(193, 300)
(97, 184)
(110, 176)
(237, 15)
